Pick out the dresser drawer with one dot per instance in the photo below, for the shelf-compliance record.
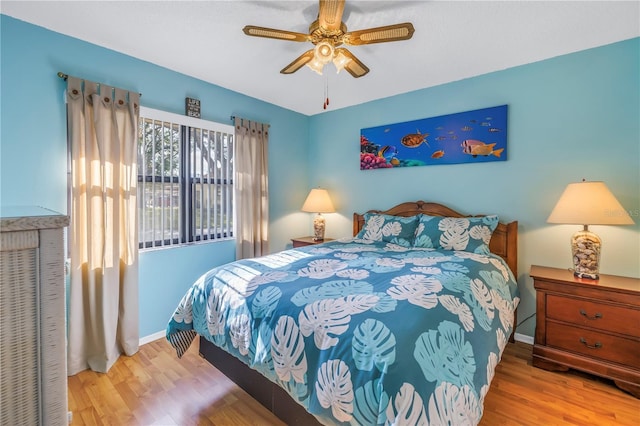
(589, 325)
(596, 315)
(594, 344)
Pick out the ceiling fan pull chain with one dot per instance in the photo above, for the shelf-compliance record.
(326, 92)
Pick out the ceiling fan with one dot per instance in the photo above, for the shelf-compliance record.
(327, 33)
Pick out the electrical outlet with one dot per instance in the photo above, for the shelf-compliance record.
(69, 417)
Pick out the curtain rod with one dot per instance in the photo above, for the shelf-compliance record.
(233, 118)
(66, 76)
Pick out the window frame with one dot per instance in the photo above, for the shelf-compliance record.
(187, 180)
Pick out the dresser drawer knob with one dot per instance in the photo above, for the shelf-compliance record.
(595, 317)
(598, 345)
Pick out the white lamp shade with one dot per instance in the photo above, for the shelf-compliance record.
(589, 203)
(318, 201)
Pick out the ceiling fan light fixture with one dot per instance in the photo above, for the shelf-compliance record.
(323, 52)
(316, 65)
(327, 33)
(340, 61)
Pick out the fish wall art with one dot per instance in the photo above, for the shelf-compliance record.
(475, 136)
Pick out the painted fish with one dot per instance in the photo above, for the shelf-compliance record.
(387, 151)
(413, 140)
(494, 130)
(466, 129)
(441, 138)
(475, 147)
(438, 154)
(486, 151)
(468, 144)
(394, 161)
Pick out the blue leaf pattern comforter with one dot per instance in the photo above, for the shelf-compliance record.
(361, 332)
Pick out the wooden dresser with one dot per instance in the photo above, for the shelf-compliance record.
(588, 325)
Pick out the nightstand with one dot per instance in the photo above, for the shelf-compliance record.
(307, 241)
(588, 325)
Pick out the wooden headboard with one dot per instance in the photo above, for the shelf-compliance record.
(504, 241)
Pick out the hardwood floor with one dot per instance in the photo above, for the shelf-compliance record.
(154, 387)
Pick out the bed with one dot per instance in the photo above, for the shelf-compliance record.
(402, 324)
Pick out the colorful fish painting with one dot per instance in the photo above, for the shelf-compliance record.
(476, 136)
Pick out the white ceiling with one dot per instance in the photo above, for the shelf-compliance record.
(453, 40)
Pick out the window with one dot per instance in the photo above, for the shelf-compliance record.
(185, 179)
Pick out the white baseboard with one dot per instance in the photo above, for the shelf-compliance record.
(150, 338)
(523, 338)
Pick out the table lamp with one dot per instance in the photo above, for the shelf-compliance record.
(588, 203)
(318, 201)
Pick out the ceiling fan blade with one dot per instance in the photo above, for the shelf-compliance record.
(298, 63)
(384, 34)
(354, 66)
(254, 31)
(330, 14)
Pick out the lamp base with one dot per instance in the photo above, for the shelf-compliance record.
(585, 248)
(589, 276)
(318, 228)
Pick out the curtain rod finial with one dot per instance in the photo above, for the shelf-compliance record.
(62, 75)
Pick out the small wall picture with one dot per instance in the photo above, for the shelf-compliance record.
(192, 107)
(477, 136)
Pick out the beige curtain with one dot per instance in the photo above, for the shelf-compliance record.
(103, 304)
(251, 188)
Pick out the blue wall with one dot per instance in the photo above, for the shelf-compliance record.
(33, 145)
(570, 117)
